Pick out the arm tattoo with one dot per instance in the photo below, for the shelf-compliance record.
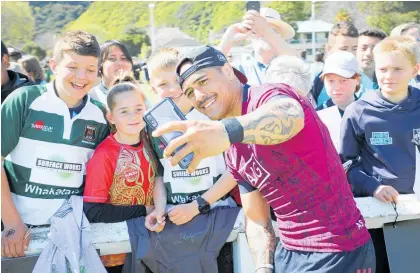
(261, 241)
(274, 122)
(10, 232)
(249, 139)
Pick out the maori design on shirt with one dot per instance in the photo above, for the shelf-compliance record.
(127, 185)
(151, 175)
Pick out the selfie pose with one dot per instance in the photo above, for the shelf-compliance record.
(281, 155)
(267, 32)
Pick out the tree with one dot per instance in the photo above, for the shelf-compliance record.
(292, 11)
(53, 16)
(343, 16)
(34, 50)
(145, 51)
(17, 23)
(387, 15)
(134, 38)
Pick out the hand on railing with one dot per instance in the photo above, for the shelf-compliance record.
(15, 240)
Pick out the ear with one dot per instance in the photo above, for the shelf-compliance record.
(327, 49)
(5, 61)
(109, 117)
(227, 70)
(154, 89)
(358, 78)
(416, 70)
(53, 65)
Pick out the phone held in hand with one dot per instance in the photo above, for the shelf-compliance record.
(157, 224)
(161, 114)
(253, 5)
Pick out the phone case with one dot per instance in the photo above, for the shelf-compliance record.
(162, 113)
(253, 5)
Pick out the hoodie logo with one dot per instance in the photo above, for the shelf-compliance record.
(380, 138)
(416, 136)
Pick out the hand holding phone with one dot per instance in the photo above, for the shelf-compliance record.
(155, 226)
(253, 5)
(162, 113)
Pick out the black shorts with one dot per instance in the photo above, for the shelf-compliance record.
(360, 260)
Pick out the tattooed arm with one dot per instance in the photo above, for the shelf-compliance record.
(259, 230)
(274, 122)
(277, 121)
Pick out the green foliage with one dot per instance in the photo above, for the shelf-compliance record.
(17, 23)
(130, 21)
(387, 15)
(379, 8)
(343, 16)
(145, 51)
(53, 16)
(114, 20)
(133, 39)
(34, 50)
(108, 20)
(292, 11)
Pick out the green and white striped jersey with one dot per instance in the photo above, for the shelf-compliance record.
(182, 187)
(46, 150)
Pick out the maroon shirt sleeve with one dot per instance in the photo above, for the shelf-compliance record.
(260, 95)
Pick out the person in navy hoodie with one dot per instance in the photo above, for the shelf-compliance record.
(383, 129)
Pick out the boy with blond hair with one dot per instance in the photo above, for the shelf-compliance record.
(48, 134)
(188, 194)
(383, 129)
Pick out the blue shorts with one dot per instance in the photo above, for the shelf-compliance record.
(360, 260)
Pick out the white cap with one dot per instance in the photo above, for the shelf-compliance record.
(274, 18)
(342, 63)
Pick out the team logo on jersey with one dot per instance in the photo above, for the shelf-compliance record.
(416, 136)
(39, 125)
(380, 138)
(90, 133)
(254, 172)
(58, 166)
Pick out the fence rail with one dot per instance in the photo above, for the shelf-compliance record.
(114, 239)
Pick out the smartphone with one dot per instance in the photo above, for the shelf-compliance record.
(253, 5)
(162, 113)
(157, 224)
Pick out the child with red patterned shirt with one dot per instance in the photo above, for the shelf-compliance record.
(122, 179)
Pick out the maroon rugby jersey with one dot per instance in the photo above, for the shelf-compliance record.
(303, 180)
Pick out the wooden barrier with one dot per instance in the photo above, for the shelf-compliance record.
(113, 238)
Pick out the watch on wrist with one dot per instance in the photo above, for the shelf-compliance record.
(203, 205)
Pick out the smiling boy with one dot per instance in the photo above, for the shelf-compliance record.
(383, 128)
(48, 134)
(189, 194)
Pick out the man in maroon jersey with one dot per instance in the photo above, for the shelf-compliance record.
(282, 156)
